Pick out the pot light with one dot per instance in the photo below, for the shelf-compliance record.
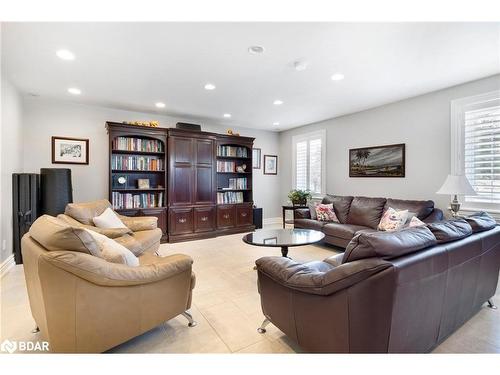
(337, 77)
(209, 86)
(160, 105)
(255, 50)
(278, 102)
(300, 65)
(276, 123)
(74, 91)
(64, 54)
(227, 115)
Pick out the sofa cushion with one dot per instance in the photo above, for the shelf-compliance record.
(54, 234)
(85, 212)
(309, 224)
(481, 221)
(341, 205)
(112, 251)
(450, 230)
(345, 231)
(422, 209)
(388, 245)
(108, 219)
(366, 211)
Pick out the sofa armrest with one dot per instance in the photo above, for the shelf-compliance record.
(138, 223)
(302, 213)
(436, 215)
(108, 232)
(99, 271)
(318, 277)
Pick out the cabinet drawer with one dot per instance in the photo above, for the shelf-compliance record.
(204, 219)
(181, 220)
(244, 215)
(225, 216)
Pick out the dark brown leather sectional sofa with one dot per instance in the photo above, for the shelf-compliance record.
(361, 214)
(390, 292)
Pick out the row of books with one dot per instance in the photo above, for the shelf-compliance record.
(230, 197)
(237, 183)
(137, 163)
(240, 152)
(137, 144)
(143, 200)
(226, 166)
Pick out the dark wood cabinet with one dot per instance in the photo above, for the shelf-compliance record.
(181, 221)
(244, 215)
(226, 216)
(204, 219)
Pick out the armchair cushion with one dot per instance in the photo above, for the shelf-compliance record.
(99, 271)
(108, 232)
(112, 251)
(139, 223)
(108, 219)
(85, 212)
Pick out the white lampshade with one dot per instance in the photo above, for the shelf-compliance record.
(456, 184)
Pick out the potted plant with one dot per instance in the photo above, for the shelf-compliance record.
(299, 197)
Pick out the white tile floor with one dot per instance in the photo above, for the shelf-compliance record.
(227, 308)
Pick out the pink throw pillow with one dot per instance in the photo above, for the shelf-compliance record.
(325, 212)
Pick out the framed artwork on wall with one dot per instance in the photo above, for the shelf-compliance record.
(270, 164)
(378, 161)
(70, 150)
(256, 153)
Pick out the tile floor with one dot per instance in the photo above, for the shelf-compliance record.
(227, 308)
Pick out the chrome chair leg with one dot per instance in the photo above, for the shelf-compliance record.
(262, 328)
(190, 319)
(491, 305)
(35, 330)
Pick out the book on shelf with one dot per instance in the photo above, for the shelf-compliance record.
(226, 166)
(143, 200)
(238, 183)
(234, 151)
(138, 163)
(230, 197)
(137, 144)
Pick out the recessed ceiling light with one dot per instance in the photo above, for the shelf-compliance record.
(160, 105)
(65, 54)
(300, 65)
(255, 50)
(227, 115)
(276, 123)
(209, 86)
(337, 77)
(74, 91)
(278, 102)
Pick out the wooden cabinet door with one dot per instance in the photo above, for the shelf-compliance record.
(181, 221)
(225, 216)
(204, 219)
(244, 215)
(181, 163)
(204, 172)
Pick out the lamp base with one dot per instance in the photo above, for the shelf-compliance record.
(455, 206)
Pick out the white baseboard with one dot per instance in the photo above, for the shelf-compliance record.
(272, 220)
(7, 265)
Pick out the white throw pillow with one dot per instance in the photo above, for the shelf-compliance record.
(392, 220)
(112, 251)
(108, 219)
(416, 222)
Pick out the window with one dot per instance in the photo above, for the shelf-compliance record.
(476, 147)
(309, 152)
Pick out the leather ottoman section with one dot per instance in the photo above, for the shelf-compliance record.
(366, 211)
(344, 231)
(309, 224)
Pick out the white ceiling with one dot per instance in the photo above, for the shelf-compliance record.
(134, 65)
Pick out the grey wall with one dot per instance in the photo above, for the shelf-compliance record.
(422, 123)
(11, 159)
(44, 118)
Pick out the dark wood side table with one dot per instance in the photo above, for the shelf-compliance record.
(290, 208)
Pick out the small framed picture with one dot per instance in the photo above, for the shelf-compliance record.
(270, 164)
(256, 153)
(271, 241)
(143, 183)
(70, 150)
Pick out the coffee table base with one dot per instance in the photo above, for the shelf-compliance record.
(284, 251)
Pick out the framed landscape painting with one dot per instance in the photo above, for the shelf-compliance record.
(70, 150)
(378, 161)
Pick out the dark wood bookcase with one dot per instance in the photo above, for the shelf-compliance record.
(124, 162)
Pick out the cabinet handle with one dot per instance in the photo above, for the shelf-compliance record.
(182, 220)
(225, 216)
(243, 214)
(204, 218)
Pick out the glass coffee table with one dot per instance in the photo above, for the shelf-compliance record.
(283, 238)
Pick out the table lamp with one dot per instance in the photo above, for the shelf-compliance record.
(456, 185)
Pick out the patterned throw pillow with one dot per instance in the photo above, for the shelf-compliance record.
(416, 222)
(325, 212)
(393, 220)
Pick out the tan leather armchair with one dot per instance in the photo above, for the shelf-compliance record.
(82, 303)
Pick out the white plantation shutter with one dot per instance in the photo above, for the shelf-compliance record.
(482, 153)
(309, 168)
